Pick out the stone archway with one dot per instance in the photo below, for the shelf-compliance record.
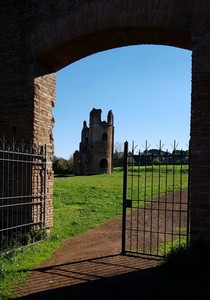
(42, 37)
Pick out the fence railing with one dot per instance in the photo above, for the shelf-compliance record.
(22, 193)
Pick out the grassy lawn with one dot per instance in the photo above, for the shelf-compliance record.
(80, 203)
(156, 180)
(83, 202)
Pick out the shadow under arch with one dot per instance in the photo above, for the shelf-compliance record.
(72, 32)
(73, 50)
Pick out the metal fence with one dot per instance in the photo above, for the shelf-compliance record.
(155, 201)
(22, 193)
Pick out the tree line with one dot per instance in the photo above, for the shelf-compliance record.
(62, 165)
(153, 156)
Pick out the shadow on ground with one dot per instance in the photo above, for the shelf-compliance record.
(136, 285)
(110, 277)
(183, 275)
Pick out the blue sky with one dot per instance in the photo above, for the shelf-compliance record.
(148, 89)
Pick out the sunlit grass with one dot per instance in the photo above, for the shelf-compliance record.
(155, 180)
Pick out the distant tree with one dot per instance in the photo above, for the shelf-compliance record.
(70, 163)
(55, 158)
(118, 159)
(156, 161)
(119, 147)
(62, 165)
(118, 156)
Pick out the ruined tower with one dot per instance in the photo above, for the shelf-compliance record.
(95, 155)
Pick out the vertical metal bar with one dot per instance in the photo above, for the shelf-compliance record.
(180, 196)
(165, 205)
(38, 174)
(138, 205)
(20, 217)
(151, 204)
(158, 204)
(189, 199)
(131, 197)
(17, 178)
(26, 184)
(35, 186)
(12, 191)
(45, 184)
(125, 174)
(8, 189)
(3, 193)
(145, 196)
(173, 197)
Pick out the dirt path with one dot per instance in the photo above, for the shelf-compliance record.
(90, 267)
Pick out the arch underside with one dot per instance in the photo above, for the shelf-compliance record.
(75, 49)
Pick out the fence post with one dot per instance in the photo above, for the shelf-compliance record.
(125, 171)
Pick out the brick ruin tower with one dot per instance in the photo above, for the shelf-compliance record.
(95, 155)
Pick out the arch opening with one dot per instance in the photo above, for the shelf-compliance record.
(103, 164)
(162, 23)
(145, 85)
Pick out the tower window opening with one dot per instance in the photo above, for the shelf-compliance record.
(105, 137)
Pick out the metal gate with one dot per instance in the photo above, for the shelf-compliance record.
(22, 193)
(155, 201)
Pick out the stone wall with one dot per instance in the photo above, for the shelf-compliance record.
(44, 101)
(200, 138)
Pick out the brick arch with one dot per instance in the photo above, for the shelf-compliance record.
(41, 37)
(71, 31)
(71, 51)
(109, 24)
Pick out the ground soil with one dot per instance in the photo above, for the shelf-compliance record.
(91, 267)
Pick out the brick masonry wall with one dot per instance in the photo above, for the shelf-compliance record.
(16, 78)
(40, 37)
(200, 138)
(44, 101)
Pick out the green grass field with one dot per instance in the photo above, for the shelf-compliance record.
(80, 203)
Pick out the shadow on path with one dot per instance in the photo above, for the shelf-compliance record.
(108, 277)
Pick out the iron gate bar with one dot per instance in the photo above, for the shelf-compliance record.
(188, 200)
(21, 226)
(165, 215)
(44, 185)
(125, 174)
(147, 227)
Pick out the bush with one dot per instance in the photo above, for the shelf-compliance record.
(62, 165)
(184, 273)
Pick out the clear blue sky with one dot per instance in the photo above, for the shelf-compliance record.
(148, 89)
